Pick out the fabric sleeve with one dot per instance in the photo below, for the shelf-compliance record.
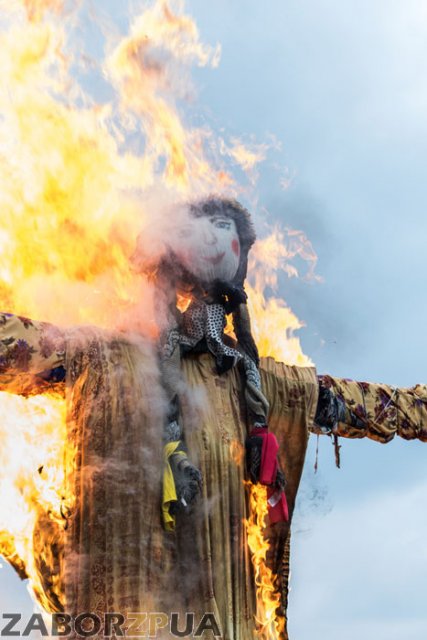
(379, 411)
(32, 355)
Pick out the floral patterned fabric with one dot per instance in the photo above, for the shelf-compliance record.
(32, 355)
(379, 411)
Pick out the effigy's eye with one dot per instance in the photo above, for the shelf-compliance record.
(221, 224)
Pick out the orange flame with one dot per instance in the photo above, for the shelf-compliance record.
(274, 324)
(270, 626)
(32, 480)
(149, 87)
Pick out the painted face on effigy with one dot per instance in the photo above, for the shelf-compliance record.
(209, 248)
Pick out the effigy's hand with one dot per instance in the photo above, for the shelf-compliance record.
(332, 409)
(188, 483)
(182, 482)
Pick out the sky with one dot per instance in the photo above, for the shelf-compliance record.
(341, 85)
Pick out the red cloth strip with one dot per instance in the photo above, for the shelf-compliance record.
(277, 506)
(277, 503)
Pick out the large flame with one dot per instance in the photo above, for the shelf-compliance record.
(80, 178)
(270, 626)
(274, 323)
(32, 479)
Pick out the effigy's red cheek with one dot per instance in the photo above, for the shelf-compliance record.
(235, 247)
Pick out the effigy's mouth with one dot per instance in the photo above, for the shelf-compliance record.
(215, 259)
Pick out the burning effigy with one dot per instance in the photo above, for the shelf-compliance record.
(155, 405)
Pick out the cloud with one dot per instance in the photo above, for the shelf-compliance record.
(362, 571)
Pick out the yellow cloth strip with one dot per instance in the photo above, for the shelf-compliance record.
(169, 489)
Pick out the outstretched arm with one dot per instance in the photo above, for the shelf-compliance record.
(31, 355)
(378, 411)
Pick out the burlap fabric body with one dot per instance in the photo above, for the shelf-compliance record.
(118, 557)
